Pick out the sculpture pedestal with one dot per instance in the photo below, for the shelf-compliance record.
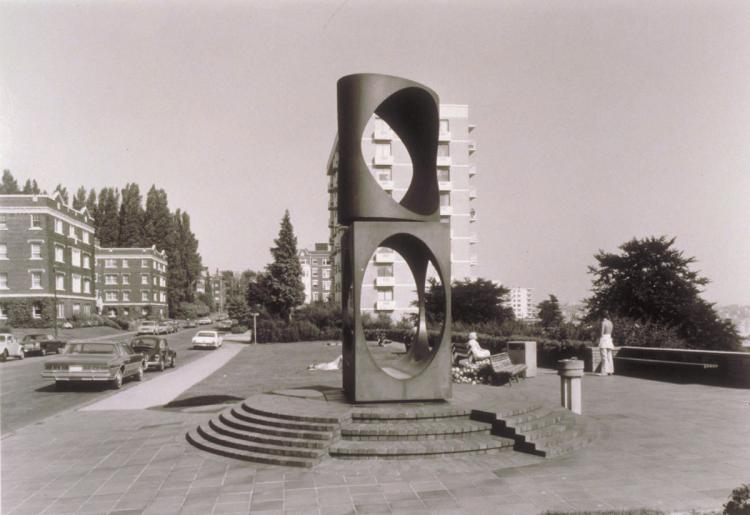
(570, 372)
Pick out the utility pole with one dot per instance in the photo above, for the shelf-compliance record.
(255, 328)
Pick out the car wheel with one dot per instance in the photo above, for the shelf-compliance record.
(4, 355)
(172, 361)
(43, 352)
(161, 364)
(117, 381)
(139, 374)
(21, 354)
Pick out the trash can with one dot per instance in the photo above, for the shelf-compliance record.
(523, 353)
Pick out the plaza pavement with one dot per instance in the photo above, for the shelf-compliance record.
(673, 447)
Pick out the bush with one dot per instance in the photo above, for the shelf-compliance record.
(239, 329)
(739, 501)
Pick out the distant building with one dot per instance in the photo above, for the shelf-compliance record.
(46, 260)
(388, 284)
(522, 302)
(132, 282)
(317, 273)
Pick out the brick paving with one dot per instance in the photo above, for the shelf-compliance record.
(662, 446)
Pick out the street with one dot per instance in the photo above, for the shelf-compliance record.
(27, 398)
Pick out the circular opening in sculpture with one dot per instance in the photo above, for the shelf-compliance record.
(402, 319)
(387, 158)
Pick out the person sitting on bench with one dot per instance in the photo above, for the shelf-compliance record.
(477, 352)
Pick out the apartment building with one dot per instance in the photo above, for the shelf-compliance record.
(132, 282)
(46, 260)
(317, 273)
(389, 285)
(521, 300)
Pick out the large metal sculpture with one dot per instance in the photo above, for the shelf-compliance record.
(411, 227)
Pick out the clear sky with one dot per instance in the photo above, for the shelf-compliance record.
(597, 121)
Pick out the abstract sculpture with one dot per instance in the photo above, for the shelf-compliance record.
(411, 227)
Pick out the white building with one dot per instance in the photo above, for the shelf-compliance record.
(522, 303)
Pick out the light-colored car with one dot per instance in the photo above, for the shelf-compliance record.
(148, 327)
(110, 362)
(163, 327)
(204, 321)
(42, 344)
(9, 346)
(207, 339)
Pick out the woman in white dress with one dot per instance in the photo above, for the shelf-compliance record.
(605, 347)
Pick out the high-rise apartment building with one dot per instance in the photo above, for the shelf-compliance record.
(317, 273)
(46, 260)
(522, 303)
(132, 282)
(389, 285)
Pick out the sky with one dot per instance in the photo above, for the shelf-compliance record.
(596, 121)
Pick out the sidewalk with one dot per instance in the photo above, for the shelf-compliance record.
(663, 446)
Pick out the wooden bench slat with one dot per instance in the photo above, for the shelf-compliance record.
(667, 362)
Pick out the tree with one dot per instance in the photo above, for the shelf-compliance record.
(79, 199)
(549, 313)
(131, 217)
(237, 307)
(157, 220)
(285, 287)
(191, 259)
(107, 217)
(650, 281)
(31, 188)
(258, 294)
(9, 185)
(473, 302)
(63, 193)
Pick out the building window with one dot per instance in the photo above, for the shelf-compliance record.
(444, 149)
(382, 150)
(314, 261)
(60, 282)
(163, 297)
(315, 272)
(110, 279)
(445, 126)
(112, 313)
(144, 280)
(444, 174)
(36, 280)
(126, 296)
(3, 281)
(385, 270)
(3, 251)
(3, 313)
(36, 221)
(86, 261)
(75, 257)
(85, 240)
(315, 283)
(3, 222)
(126, 279)
(76, 309)
(59, 226)
(156, 281)
(87, 308)
(60, 310)
(36, 311)
(109, 263)
(36, 251)
(86, 285)
(162, 282)
(144, 296)
(124, 263)
(326, 285)
(76, 286)
(315, 296)
(385, 294)
(59, 254)
(326, 273)
(110, 296)
(156, 297)
(125, 312)
(72, 231)
(445, 198)
(325, 262)
(144, 263)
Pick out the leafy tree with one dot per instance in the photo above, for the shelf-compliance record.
(191, 259)
(237, 307)
(549, 312)
(131, 217)
(285, 287)
(9, 185)
(157, 220)
(63, 193)
(474, 302)
(91, 204)
(107, 217)
(79, 199)
(258, 294)
(650, 281)
(31, 188)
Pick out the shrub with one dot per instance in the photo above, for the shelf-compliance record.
(739, 501)
(239, 329)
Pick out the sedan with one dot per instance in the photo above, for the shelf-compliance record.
(41, 344)
(148, 327)
(103, 361)
(155, 350)
(207, 339)
(9, 346)
(204, 321)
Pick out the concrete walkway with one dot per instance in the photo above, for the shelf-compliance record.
(168, 385)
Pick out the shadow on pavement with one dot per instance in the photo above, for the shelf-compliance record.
(202, 400)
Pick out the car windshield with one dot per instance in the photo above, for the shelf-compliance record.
(148, 323)
(90, 348)
(144, 342)
(206, 333)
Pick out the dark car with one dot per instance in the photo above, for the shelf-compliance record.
(95, 361)
(189, 323)
(155, 350)
(41, 344)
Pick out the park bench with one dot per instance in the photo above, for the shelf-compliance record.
(461, 353)
(503, 366)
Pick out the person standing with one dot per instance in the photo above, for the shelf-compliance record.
(606, 346)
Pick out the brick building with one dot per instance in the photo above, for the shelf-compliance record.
(132, 282)
(317, 273)
(46, 260)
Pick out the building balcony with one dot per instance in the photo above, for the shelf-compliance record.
(382, 134)
(386, 185)
(473, 260)
(474, 239)
(473, 147)
(385, 282)
(472, 193)
(472, 170)
(385, 257)
(445, 185)
(332, 187)
(382, 160)
(385, 305)
(443, 160)
(473, 216)
(444, 136)
(446, 210)
(331, 205)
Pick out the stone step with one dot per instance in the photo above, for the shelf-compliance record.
(406, 412)
(282, 423)
(422, 429)
(217, 438)
(546, 420)
(419, 448)
(556, 448)
(195, 439)
(220, 426)
(544, 432)
(266, 408)
(231, 419)
(522, 418)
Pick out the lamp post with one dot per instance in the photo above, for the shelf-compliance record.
(255, 328)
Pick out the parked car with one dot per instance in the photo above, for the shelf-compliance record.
(204, 321)
(9, 346)
(189, 323)
(207, 339)
(148, 327)
(224, 325)
(104, 361)
(163, 328)
(41, 344)
(155, 350)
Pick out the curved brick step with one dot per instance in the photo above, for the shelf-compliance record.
(220, 426)
(421, 429)
(571, 442)
(406, 412)
(275, 406)
(545, 432)
(419, 448)
(231, 419)
(263, 420)
(548, 419)
(217, 438)
(195, 439)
